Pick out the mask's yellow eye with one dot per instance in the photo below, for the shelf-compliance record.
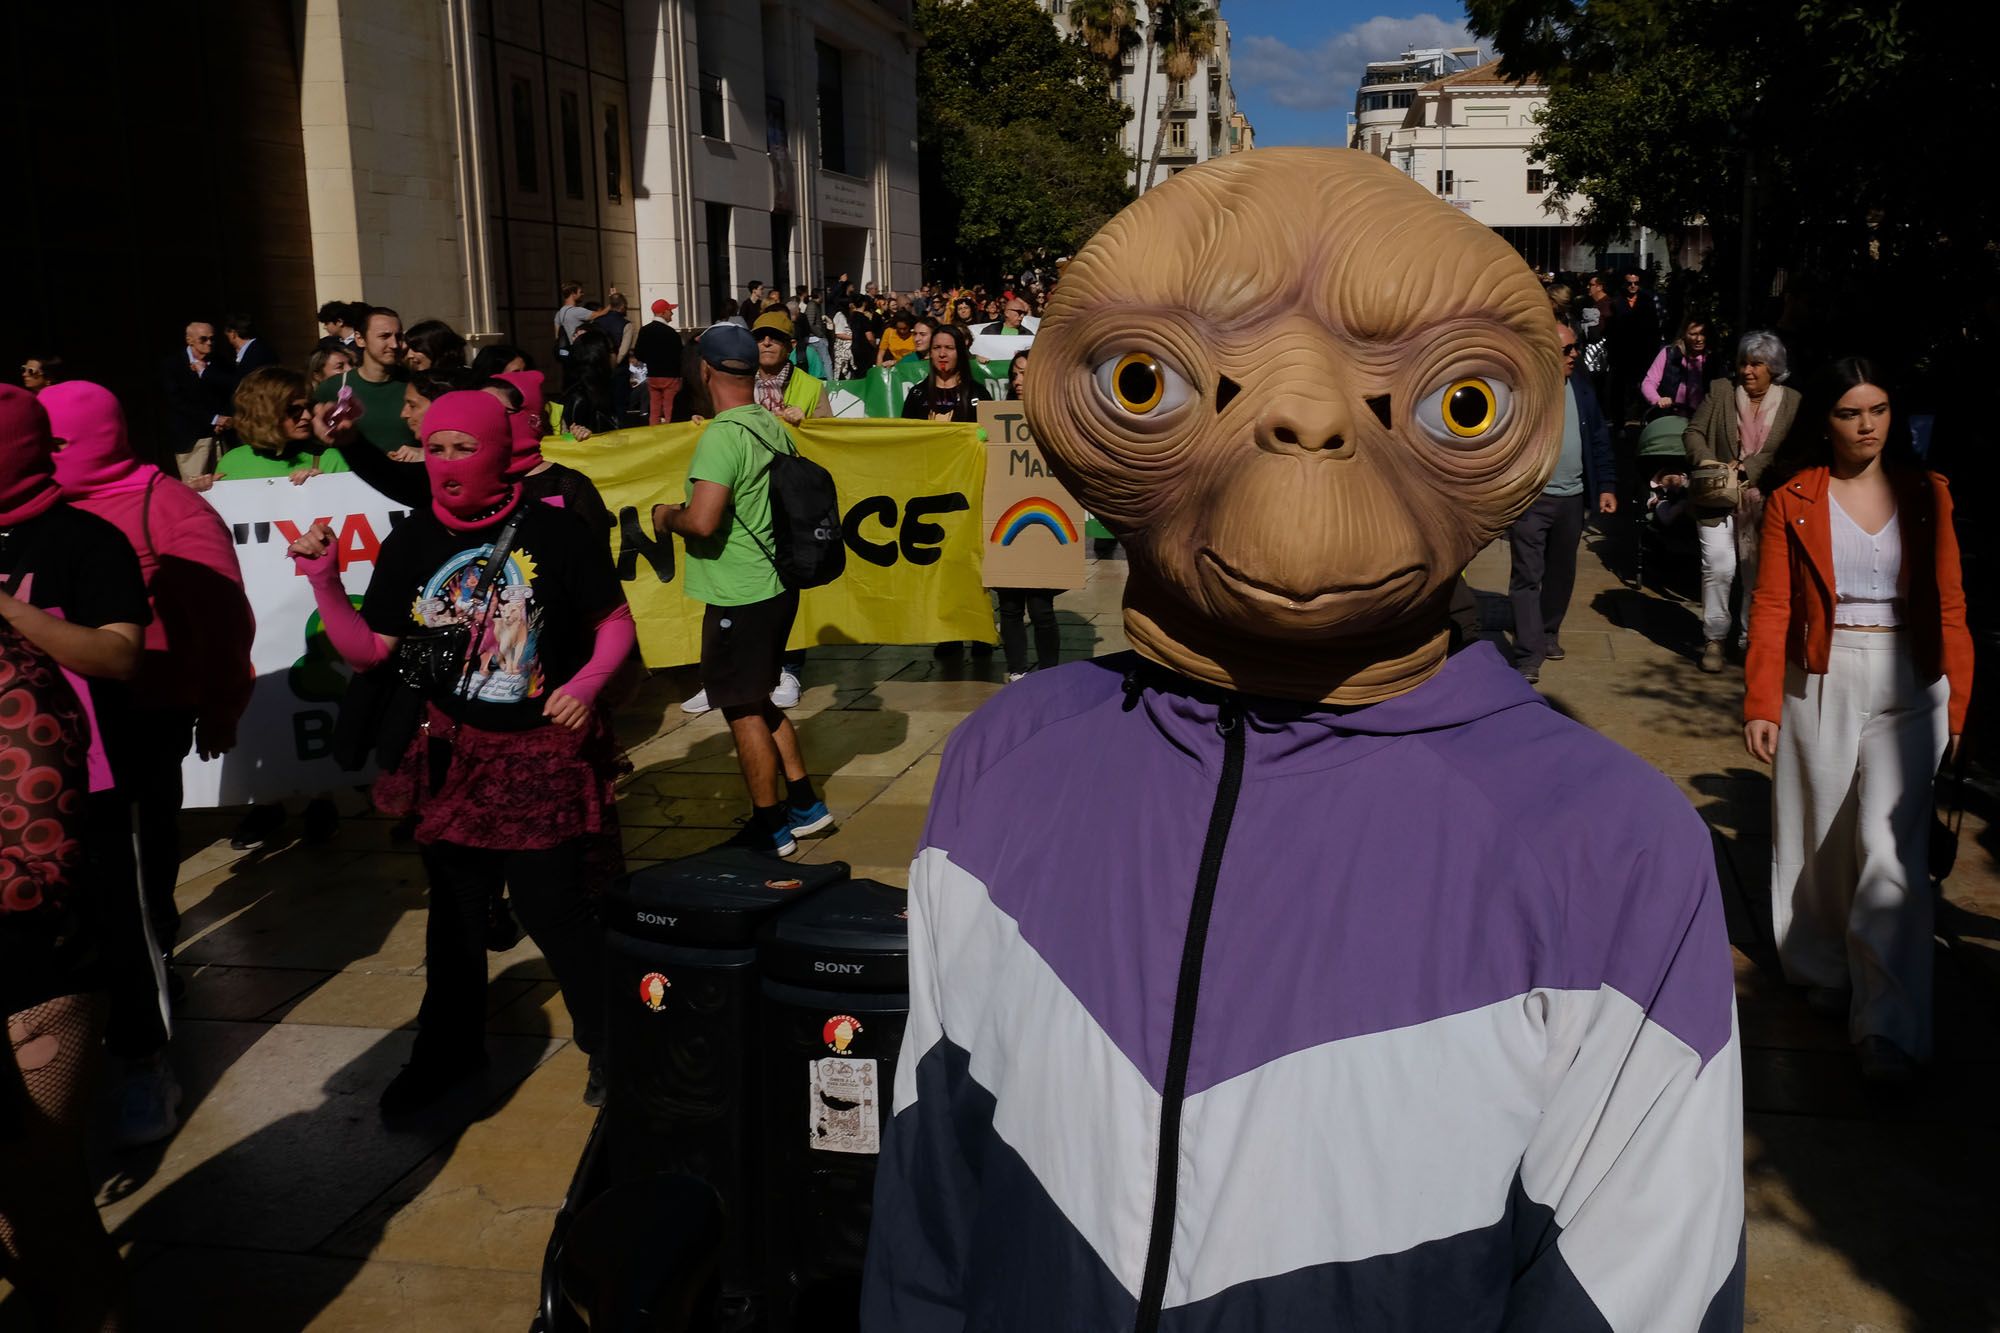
(1465, 411)
(1141, 384)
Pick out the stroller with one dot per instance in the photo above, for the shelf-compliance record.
(1666, 530)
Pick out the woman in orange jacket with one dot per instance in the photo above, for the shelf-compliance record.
(1858, 675)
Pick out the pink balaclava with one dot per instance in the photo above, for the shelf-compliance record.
(471, 492)
(525, 425)
(27, 466)
(95, 458)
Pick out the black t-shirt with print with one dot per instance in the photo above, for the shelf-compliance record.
(558, 584)
(75, 564)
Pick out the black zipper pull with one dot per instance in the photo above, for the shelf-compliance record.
(1229, 717)
(1132, 688)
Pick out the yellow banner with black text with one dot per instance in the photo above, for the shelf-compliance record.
(910, 498)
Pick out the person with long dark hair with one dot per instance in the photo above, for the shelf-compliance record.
(500, 359)
(434, 346)
(592, 402)
(515, 620)
(951, 392)
(1859, 674)
(1037, 605)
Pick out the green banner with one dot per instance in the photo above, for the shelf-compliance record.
(883, 389)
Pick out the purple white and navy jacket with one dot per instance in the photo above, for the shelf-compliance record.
(1430, 1004)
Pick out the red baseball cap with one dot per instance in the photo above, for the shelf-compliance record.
(664, 307)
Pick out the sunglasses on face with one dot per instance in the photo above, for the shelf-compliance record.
(298, 409)
(1569, 349)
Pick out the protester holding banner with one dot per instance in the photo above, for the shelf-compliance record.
(1038, 605)
(57, 1252)
(726, 523)
(275, 421)
(73, 588)
(951, 392)
(543, 480)
(513, 620)
(784, 390)
(593, 402)
(194, 678)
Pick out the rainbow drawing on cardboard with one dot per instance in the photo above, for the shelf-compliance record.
(1030, 512)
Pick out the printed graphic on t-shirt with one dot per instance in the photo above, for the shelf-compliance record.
(504, 665)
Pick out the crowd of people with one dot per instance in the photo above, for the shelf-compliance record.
(1829, 568)
(487, 649)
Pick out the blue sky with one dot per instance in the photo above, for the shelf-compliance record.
(1295, 63)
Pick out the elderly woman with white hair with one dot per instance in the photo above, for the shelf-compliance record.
(1729, 443)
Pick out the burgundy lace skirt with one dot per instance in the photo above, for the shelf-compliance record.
(507, 790)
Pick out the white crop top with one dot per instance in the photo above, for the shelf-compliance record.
(1867, 572)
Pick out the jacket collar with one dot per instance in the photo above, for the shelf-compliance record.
(1809, 485)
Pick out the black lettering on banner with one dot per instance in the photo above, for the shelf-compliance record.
(1023, 463)
(1013, 426)
(396, 517)
(634, 541)
(883, 510)
(312, 734)
(921, 539)
(263, 531)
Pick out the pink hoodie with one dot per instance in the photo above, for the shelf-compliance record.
(197, 651)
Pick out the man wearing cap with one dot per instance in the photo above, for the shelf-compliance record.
(658, 349)
(782, 388)
(726, 526)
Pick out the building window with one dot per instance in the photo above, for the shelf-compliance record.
(1118, 89)
(781, 253)
(1401, 99)
(1375, 142)
(522, 98)
(832, 108)
(711, 106)
(1177, 136)
(1537, 181)
(1057, 8)
(720, 289)
(614, 172)
(1446, 185)
(572, 143)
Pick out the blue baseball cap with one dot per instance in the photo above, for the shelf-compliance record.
(729, 348)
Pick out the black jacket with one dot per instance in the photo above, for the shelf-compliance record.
(658, 348)
(194, 401)
(255, 357)
(917, 407)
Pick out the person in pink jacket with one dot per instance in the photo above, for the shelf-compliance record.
(195, 674)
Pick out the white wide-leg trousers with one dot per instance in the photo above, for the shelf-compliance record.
(1850, 828)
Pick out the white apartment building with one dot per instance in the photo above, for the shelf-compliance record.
(1457, 126)
(1202, 119)
(463, 158)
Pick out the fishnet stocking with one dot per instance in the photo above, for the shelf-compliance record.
(52, 1243)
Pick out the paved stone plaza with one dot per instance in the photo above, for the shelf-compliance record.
(283, 1204)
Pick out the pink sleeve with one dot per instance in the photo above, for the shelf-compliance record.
(359, 646)
(616, 635)
(1650, 386)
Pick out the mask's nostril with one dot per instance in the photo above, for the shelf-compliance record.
(1286, 435)
(1334, 443)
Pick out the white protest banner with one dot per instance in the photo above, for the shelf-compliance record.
(284, 746)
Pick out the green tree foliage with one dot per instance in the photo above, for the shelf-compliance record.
(1821, 118)
(1017, 136)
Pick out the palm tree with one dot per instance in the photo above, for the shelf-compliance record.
(1109, 28)
(1183, 31)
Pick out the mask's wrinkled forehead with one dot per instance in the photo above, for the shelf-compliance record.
(1340, 235)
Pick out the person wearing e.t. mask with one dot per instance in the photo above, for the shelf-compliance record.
(1288, 972)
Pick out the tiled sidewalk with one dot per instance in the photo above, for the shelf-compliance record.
(284, 1204)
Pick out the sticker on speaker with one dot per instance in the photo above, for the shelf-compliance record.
(845, 1113)
(653, 990)
(784, 885)
(839, 1032)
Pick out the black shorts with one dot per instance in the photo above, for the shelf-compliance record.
(741, 647)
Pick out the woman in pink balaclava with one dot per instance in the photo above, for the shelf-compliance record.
(195, 674)
(71, 585)
(510, 776)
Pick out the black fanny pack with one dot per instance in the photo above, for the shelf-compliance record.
(433, 658)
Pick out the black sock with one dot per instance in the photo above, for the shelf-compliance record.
(771, 818)
(799, 793)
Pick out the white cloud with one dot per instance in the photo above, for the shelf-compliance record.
(1316, 78)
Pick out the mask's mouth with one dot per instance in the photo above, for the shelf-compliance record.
(1299, 599)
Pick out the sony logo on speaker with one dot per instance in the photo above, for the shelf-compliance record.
(655, 919)
(845, 969)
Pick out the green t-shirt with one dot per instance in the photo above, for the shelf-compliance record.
(381, 409)
(732, 566)
(246, 464)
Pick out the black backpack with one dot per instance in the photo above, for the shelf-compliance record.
(806, 547)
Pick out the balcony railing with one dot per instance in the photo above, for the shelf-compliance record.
(1391, 76)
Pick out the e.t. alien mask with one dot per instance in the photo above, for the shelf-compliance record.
(1304, 392)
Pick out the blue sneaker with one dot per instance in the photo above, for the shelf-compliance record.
(808, 820)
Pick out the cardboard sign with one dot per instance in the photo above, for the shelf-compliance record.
(1032, 525)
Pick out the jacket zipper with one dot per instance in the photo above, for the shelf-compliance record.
(1166, 1174)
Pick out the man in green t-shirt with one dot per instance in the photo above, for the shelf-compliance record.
(377, 384)
(725, 524)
